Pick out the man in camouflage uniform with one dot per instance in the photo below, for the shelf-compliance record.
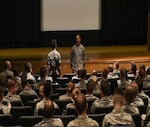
(82, 120)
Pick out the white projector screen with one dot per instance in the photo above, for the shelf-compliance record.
(62, 15)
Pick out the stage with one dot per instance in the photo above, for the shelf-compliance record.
(98, 57)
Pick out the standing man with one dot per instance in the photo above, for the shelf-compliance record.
(54, 58)
(77, 56)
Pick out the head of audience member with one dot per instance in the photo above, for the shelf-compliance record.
(105, 89)
(3, 80)
(28, 68)
(129, 94)
(133, 68)
(1, 93)
(148, 71)
(142, 66)
(135, 87)
(95, 79)
(118, 98)
(110, 68)
(49, 109)
(12, 86)
(82, 74)
(47, 90)
(140, 84)
(43, 72)
(142, 74)
(116, 65)
(16, 72)
(70, 87)
(90, 86)
(54, 44)
(78, 39)
(123, 74)
(105, 73)
(75, 92)
(7, 65)
(24, 81)
(81, 105)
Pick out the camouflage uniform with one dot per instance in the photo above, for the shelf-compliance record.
(103, 102)
(5, 108)
(50, 122)
(117, 116)
(28, 91)
(83, 121)
(40, 105)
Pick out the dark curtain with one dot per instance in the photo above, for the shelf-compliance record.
(124, 21)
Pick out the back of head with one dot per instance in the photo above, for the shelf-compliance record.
(70, 87)
(105, 73)
(24, 79)
(142, 66)
(123, 73)
(118, 96)
(135, 87)
(47, 89)
(105, 87)
(48, 109)
(129, 94)
(90, 86)
(82, 73)
(133, 67)
(28, 66)
(43, 71)
(140, 84)
(142, 74)
(110, 68)
(54, 76)
(80, 102)
(54, 43)
(75, 92)
(11, 83)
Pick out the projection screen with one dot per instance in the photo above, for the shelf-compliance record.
(66, 15)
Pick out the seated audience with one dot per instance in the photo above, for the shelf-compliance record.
(111, 74)
(82, 120)
(5, 107)
(116, 68)
(129, 96)
(69, 89)
(118, 116)
(132, 70)
(82, 83)
(47, 95)
(97, 86)
(27, 90)
(89, 91)
(18, 78)
(123, 82)
(8, 72)
(49, 120)
(12, 91)
(75, 92)
(105, 99)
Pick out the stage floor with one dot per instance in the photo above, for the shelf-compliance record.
(98, 56)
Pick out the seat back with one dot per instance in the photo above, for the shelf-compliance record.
(137, 120)
(57, 111)
(62, 81)
(71, 111)
(17, 112)
(27, 98)
(5, 120)
(100, 110)
(29, 121)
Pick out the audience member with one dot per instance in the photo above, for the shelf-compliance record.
(89, 91)
(54, 58)
(123, 82)
(49, 120)
(77, 55)
(82, 120)
(18, 78)
(97, 86)
(12, 91)
(47, 95)
(129, 96)
(118, 116)
(83, 82)
(8, 72)
(116, 68)
(4, 107)
(105, 100)
(132, 70)
(69, 89)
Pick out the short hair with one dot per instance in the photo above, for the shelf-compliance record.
(53, 43)
(48, 109)
(47, 89)
(90, 85)
(118, 95)
(11, 83)
(110, 68)
(43, 71)
(105, 87)
(133, 67)
(123, 73)
(129, 94)
(105, 72)
(80, 102)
